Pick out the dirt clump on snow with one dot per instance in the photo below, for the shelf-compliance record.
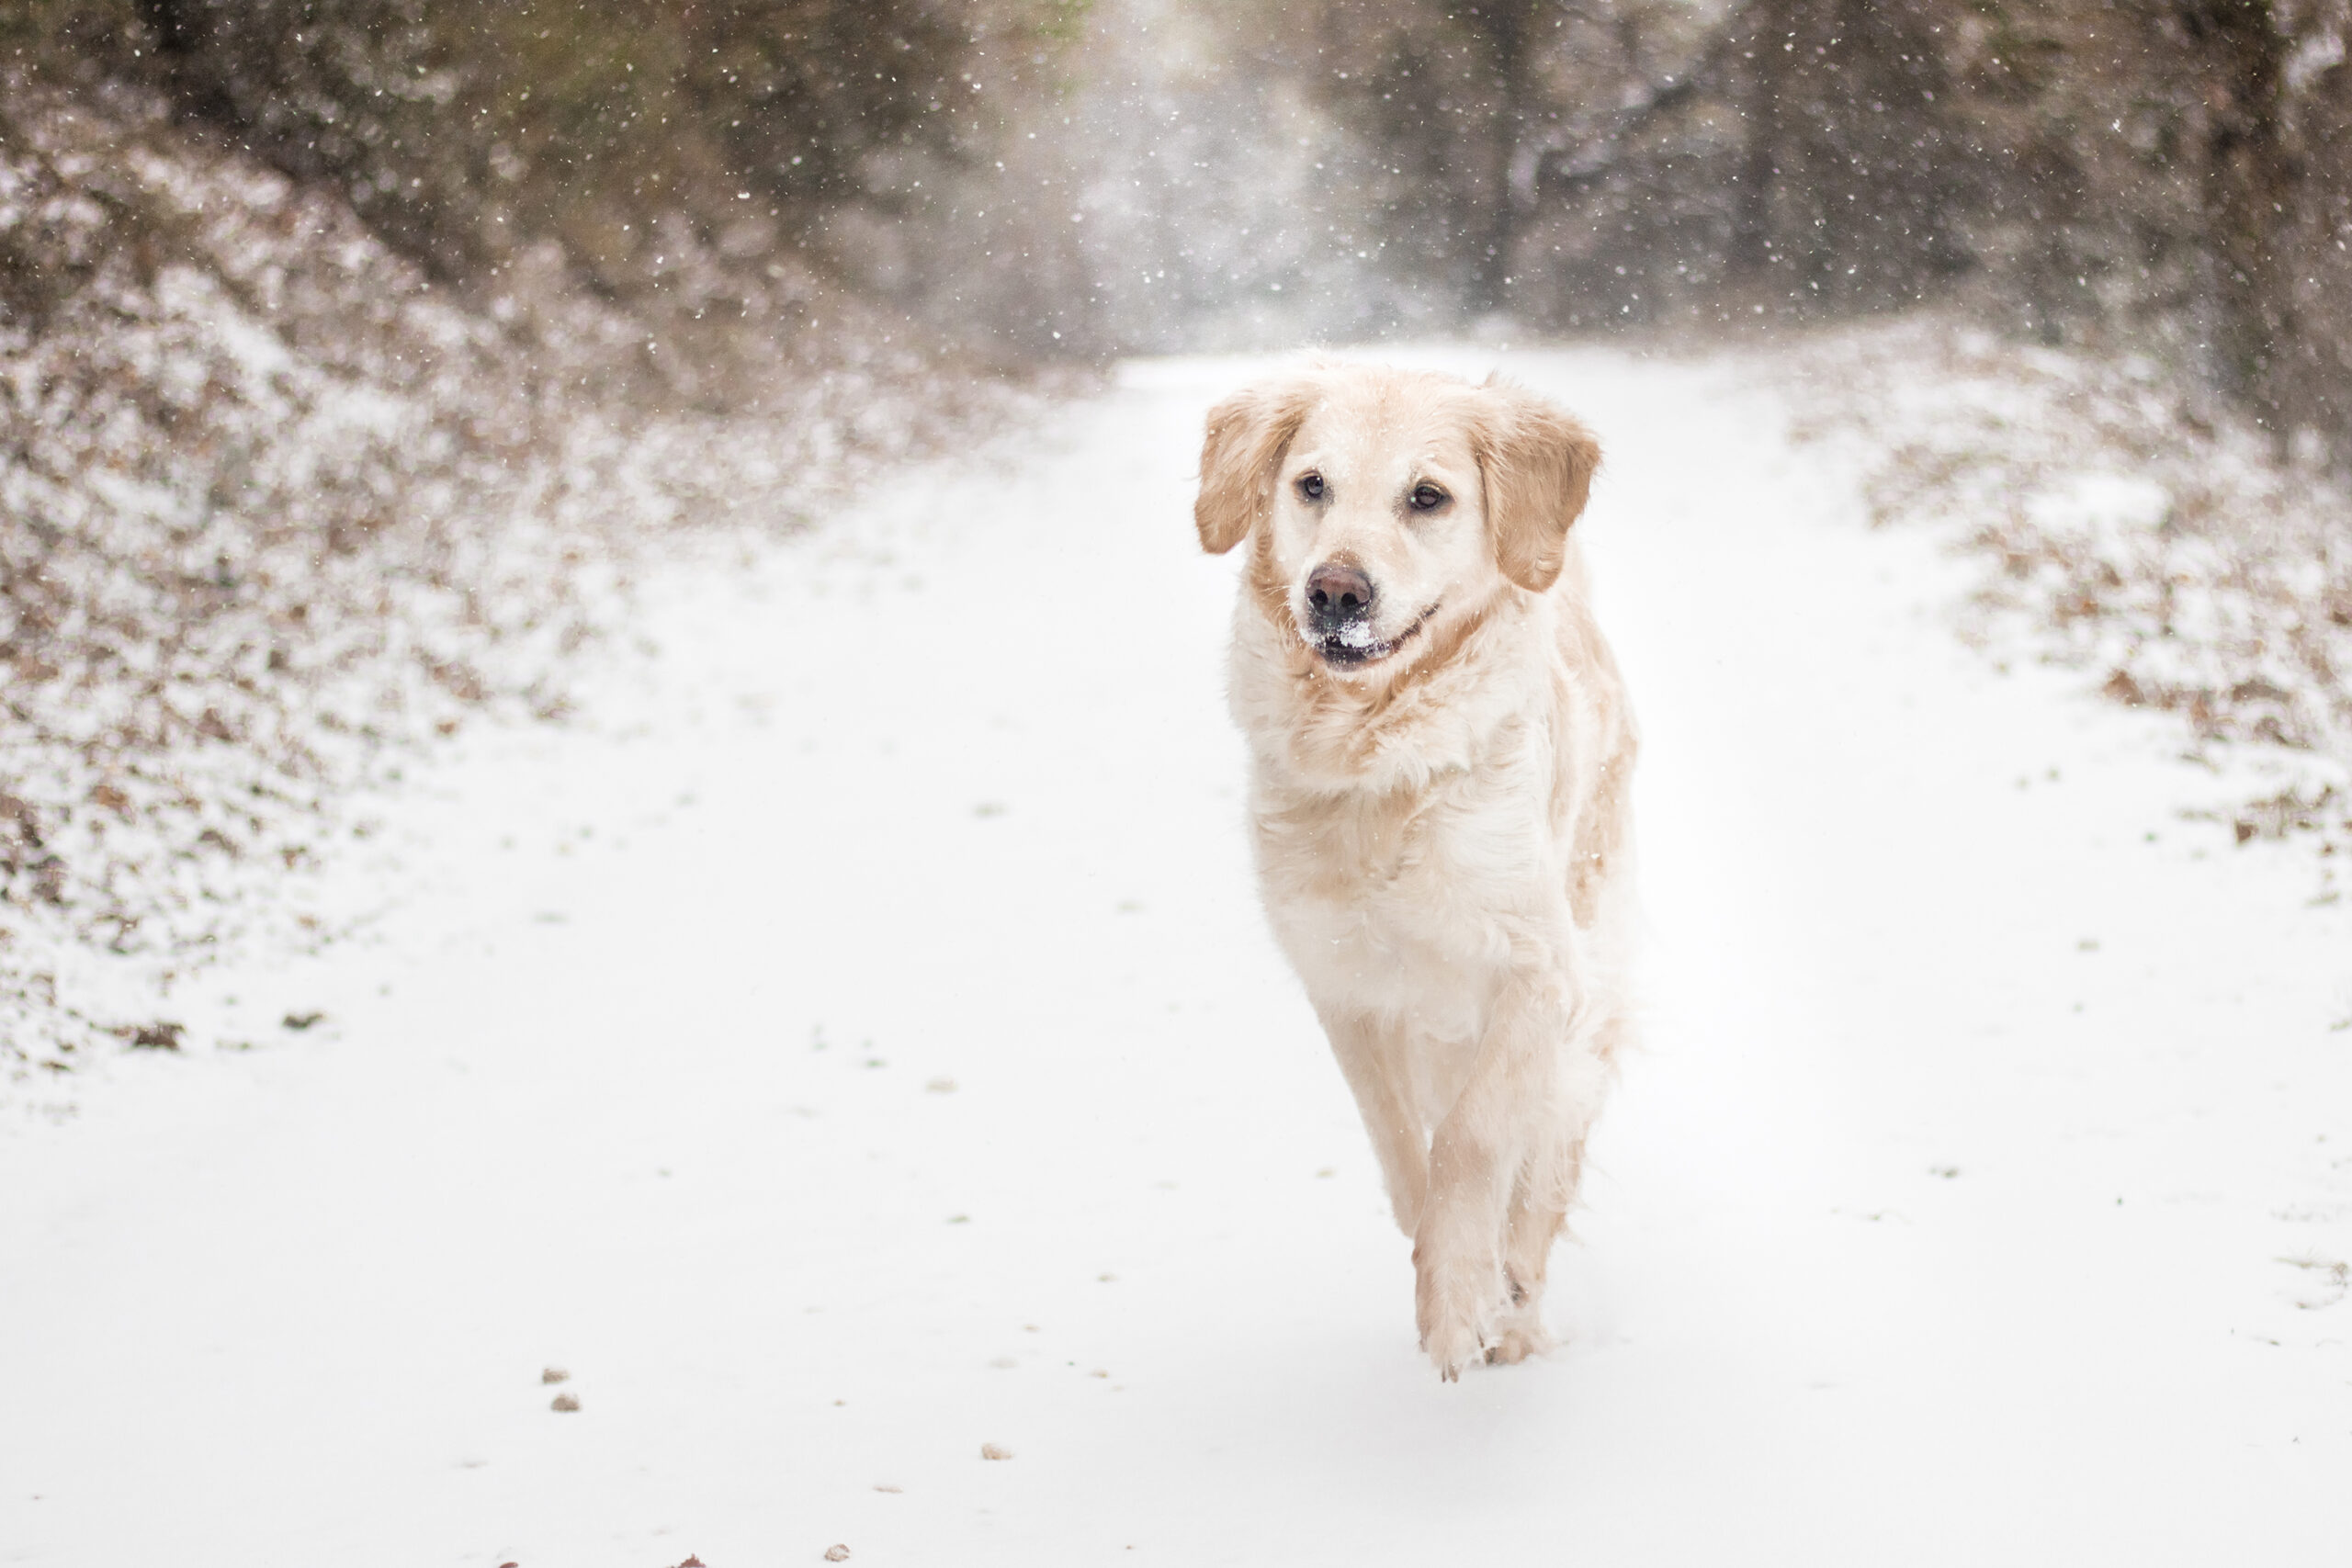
(278, 508)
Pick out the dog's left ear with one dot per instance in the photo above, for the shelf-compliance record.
(1537, 463)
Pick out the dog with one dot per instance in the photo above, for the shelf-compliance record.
(1440, 753)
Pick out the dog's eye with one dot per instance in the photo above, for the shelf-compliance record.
(1428, 498)
(1310, 487)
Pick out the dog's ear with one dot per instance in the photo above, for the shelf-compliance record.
(1537, 463)
(1247, 435)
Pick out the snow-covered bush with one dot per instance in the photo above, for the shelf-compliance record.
(2139, 528)
(274, 505)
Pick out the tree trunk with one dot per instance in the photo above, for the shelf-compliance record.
(2248, 189)
(1510, 29)
(1847, 186)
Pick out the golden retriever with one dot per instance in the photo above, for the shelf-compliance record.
(1441, 752)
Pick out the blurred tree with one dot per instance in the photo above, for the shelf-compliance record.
(1849, 188)
(1502, 41)
(2308, 364)
(2249, 180)
(1468, 106)
(465, 129)
(2176, 170)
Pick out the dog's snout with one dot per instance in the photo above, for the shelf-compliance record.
(1338, 592)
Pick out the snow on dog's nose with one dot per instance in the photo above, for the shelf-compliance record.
(1338, 596)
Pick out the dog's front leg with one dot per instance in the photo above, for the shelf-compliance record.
(1371, 1055)
(1475, 1160)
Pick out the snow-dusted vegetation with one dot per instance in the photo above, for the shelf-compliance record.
(274, 507)
(2140, 529)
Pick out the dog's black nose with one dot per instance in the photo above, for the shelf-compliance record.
(1337, 593)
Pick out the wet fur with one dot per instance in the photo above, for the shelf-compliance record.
(1441, 839)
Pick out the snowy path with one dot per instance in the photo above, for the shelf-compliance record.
(1942, 1223)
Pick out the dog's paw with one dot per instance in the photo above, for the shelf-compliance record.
(1518, 1330)
(1457, 1310)
(1519, 1337)
(1453, 1346)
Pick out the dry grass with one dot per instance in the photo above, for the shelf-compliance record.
(2137, 528)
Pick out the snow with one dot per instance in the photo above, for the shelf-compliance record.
(853, 1040)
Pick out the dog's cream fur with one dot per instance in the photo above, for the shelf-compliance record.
(1441, 827)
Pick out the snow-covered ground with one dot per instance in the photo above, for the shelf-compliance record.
(855, 1042)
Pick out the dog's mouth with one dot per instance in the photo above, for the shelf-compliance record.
(1353, 647)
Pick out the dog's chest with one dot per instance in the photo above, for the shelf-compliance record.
(1387, 900)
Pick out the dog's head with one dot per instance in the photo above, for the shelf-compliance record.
(1383, 501)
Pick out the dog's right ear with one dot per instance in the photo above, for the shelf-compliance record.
(1247, 435)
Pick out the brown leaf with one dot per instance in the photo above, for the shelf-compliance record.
(2123, 689)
